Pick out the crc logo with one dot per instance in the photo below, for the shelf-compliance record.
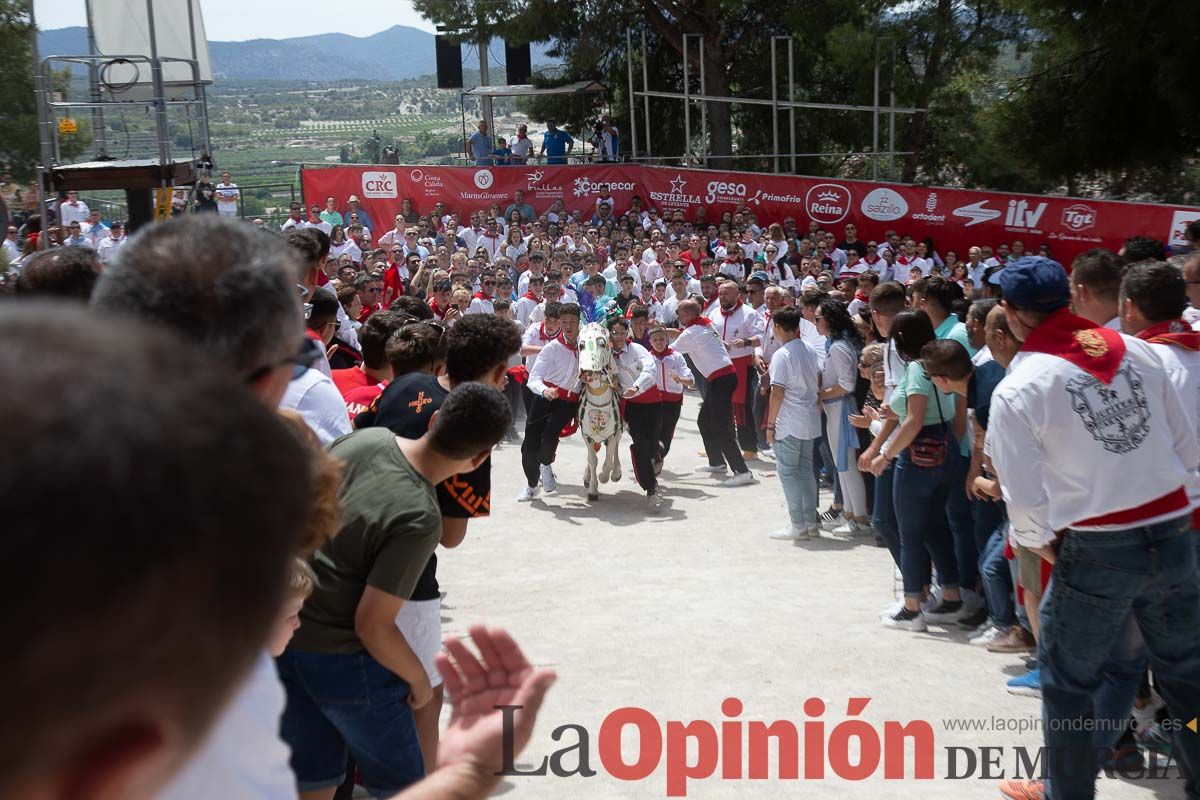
(1078, 217)
(484, 179)
(416, 176)
(722, 189)
(827, 203)
(883, 205)
(379, 185)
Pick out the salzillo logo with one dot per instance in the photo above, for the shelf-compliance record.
(827, 203)
(883, 205)
(379, 185)
(483, 179)
(976, 212)
(1078, 217)
(416, 176)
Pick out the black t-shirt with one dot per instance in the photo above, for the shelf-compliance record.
(856, 246)
(406, 408)
(206, 197)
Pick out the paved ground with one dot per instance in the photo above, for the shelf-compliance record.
(677, 611)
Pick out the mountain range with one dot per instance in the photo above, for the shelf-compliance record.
(398, 53)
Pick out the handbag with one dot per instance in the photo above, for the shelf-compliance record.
(930, 451)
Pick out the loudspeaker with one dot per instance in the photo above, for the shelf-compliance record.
(516, 63)
(449, 64)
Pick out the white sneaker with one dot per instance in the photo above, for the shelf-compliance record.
(549, 483)
(851, 528)
(987, 637)
(766, 452)
(907, 621)
(710, 468)
(790, 534)
(741, 479)
(654, 500)
(831, 520)
(527, 494)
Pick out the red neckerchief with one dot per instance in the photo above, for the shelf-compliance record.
(574, 348)
(663, 354)
(728, 313)
(532, 296)
(860, 295)
(481, 296)
(1174, 332)
(700, 320)
(871, 258)
(544, 336)
(905, 260)
(437, 310)
(1096, 350)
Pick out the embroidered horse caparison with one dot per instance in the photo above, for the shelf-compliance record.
(599, 408)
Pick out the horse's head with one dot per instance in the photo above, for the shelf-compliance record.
(595, 355)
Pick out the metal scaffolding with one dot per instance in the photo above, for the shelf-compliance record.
(790, 105)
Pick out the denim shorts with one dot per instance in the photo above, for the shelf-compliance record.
(348, 703)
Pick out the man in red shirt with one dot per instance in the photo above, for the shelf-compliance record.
(369, 288)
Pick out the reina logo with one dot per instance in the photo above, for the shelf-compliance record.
(827, 203)
(379, 185)
(883, 205)
(1078, 217)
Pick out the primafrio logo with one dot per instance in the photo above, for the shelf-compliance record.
(1078, 217)
(484, 179)
(883, 205)
(379, 185)
(827, 203)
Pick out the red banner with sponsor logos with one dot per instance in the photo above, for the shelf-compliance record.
(954, 218)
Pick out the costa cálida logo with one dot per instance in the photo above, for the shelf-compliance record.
(827, 203)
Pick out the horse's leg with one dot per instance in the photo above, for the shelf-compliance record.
(614, 454)
(606, 467)
(593, 491)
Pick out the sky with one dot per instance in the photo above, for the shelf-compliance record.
(238, 20)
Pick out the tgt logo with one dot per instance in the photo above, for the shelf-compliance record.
(379, 185)
(1078, 217)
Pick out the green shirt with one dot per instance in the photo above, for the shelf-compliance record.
(955, 331)
(332, 217)
(390, 525)
(915, 382)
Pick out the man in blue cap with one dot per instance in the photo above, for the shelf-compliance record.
(1082, 410)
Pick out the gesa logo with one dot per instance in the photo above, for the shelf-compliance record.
(725, 191)
(379, 185)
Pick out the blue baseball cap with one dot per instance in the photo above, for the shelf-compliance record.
(1036, 283)
(760, 277)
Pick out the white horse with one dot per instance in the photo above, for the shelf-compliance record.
(599, 409)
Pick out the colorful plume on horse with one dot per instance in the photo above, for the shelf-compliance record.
(589, 309)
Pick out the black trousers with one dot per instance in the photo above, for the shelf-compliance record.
(668, 418)
(747, 433)
(643, 421)
(716, 425)
(543, 424)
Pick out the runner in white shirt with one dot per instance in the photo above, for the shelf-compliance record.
(741, 329)
(702, 341)
(528, 301)
(554, 382)
(640, 407)
(1096, 453)
(107, 249)
(671, 376)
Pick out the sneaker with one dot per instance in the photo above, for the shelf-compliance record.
(750, 455)
(945, 612)
(879, 542)
(1023, 790)
(987, 637)
(790, 534)
(1027, 685)
(851, 528)
(711, 468)
(906, 620)
(527, 494)
(766, 452)
(1145, 716)
(1018, 640)
(654, 500)
(976, 622)
(831, 519)
(1156, 739)
(549, 482)
(972, 600)
(740, 479)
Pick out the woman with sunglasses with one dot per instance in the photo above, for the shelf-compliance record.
(921, 483)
